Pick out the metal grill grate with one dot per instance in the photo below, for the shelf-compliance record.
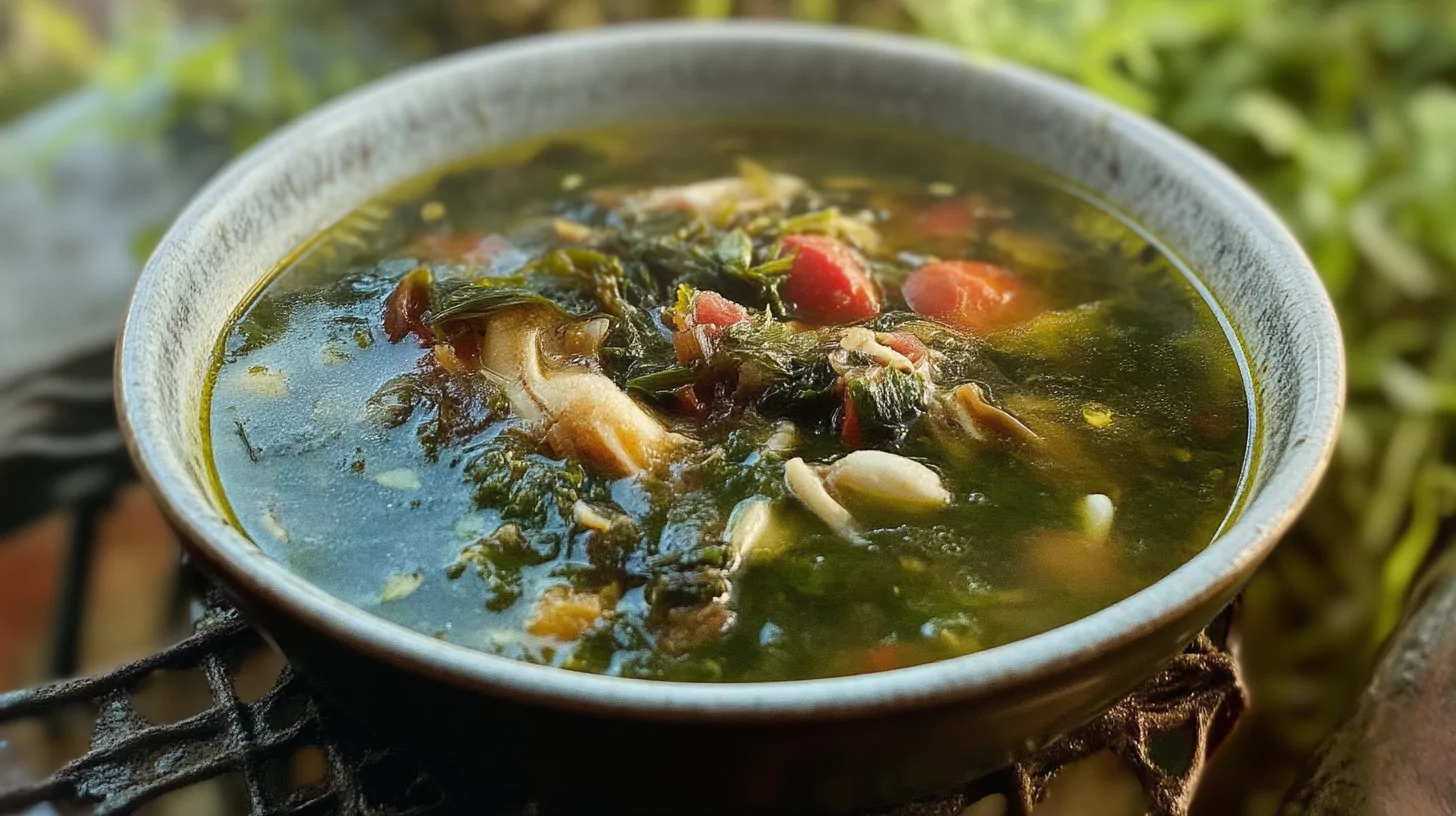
(1164, 732)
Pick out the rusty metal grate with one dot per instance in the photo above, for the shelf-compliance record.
(1164, 731)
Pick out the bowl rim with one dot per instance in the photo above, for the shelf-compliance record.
(1213, 573)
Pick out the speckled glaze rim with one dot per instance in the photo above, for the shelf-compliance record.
(1216, 572)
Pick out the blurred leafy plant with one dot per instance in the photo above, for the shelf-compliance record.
(1343, 114)
(48, 49)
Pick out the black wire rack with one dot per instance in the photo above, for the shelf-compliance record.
(1164, 731)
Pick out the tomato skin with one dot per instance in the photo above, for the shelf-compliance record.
(850, 431)
(712, 309)
(975, 296)
(828, 283)
(708, 316)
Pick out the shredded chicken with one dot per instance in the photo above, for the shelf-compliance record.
(865, 342)
(586, 417)
(743, 195)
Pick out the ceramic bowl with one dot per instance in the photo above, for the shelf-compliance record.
(805, 746)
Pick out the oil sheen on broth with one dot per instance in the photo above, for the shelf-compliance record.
(731, 402)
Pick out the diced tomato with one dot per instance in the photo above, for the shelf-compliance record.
(712, 309)
(909, 345)
(464, 247)
(850, 432)
(971, 295)
(828, 283)
(405, 308)
(687, 397)
(951, 218)
(710, 314)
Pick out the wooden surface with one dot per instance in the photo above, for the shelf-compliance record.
(1396, 756)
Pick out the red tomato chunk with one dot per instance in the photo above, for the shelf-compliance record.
(970, 295)
(712, 309)
(828, 283)
(709, 314)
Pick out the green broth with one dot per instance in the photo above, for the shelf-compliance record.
(368, 469)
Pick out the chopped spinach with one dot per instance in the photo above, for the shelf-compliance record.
(887, 402)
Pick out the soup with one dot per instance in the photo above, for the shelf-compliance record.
(731, 402)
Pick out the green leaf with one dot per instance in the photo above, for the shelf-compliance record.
(1277, 124)
(887, 402)
(735, 250)
(473, 301)
(662, 383)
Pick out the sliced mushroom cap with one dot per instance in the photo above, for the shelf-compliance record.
(754, 532)
(985, 421)
(587, 417)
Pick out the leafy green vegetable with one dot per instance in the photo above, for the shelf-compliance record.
(772, 347)
(459, 407)
(470, 301)
(735, 253)
(525, 486)
(499, 558)
(887, 402)
(663, 383)
(633, 345)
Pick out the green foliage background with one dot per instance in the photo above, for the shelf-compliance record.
(1342, 112)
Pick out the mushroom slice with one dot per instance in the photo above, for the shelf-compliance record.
(969, 406)
(587, 417)
(804, 483)
(886, 482)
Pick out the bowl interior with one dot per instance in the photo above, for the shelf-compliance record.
(312, 174)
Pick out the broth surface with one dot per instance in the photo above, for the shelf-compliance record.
(1069, 435)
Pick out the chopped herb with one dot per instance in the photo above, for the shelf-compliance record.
(663, 383)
